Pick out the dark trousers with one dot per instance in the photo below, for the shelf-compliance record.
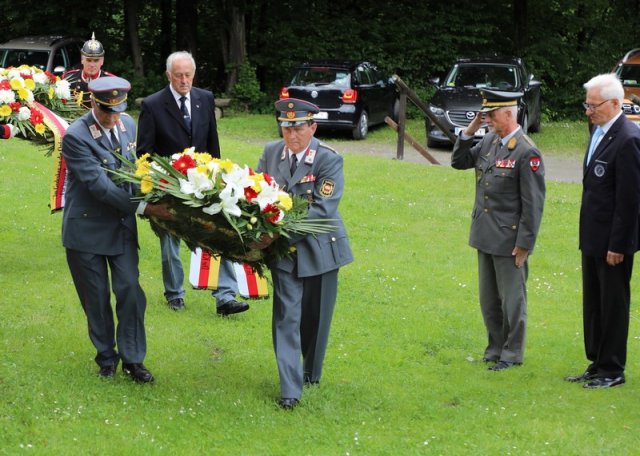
(606, 298)
(90, 275)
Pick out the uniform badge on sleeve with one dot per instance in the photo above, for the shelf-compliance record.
(534, 164)
(327, 187)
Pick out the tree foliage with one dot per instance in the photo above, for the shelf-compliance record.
(565, 42)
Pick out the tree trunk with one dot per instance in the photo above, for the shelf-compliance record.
(187, 26)
(131, 8)
(234, 46)
(519, 25)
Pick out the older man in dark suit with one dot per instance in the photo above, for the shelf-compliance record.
(609, 237)
(99, 229)
(175, 118)
(305, 286)
(510, 192)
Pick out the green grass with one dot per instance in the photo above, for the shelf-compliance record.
(403, 373)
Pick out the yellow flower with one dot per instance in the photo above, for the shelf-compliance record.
(202, 157)
(40, 129)
(5, 110)
(226, 165)
(52, 92)
(30, 84)
(202, 169)
(15, 84)
(23, 93)
(142, 168)
(257, 179)
(285, 201)
(146, 185)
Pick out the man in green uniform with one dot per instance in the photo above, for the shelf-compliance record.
(510, 191)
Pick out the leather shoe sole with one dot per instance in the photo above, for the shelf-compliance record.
(604, 382)
(137, 372)
(232, 307)
(585, 377)
(502, 365)
(288, 403)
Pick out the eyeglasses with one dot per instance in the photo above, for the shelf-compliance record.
(593, 107)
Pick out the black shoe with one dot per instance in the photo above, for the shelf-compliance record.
(502, 365)
(489, 360)
(176, 304)
(604, 382)
(309, 382)
(585, 377)
(107, 371)
(232, 307)
(137, 372)
(287, 403)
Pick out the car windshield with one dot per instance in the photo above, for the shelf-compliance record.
(502, 77)
(318, 76)
(17, 57)
(629, 75)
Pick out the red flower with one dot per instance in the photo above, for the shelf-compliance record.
(52, 77)
(271, 212)
(15, 106)
(249, 194)
(268, 179)
(4, 85)
(36, 117)
(26, 76)
(184, 163)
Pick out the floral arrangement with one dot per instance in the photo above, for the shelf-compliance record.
(21, 87)
(221, 206)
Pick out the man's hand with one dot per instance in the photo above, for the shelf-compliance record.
(474, 125)
(614, 258)
(521, 255)
(264, 242)
(160, 211)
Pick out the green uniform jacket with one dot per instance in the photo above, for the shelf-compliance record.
(510, 191)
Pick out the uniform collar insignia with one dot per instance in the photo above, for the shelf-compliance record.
(310, 156)
(512, 143)
(95, 130)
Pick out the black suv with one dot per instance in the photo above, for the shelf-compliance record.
(457, 98)
(54, 53)
(351, 95)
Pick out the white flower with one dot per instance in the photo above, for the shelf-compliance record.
(62, 89)
(196, 183)
(24, 113)
(7, 96)
(40, 78)
(268, 194)
(228, 203)
(238, 178)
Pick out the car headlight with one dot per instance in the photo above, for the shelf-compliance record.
(436, 110)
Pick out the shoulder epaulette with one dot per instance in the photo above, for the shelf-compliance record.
(326, 146)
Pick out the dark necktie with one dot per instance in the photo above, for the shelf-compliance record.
(185, 113)
(114, 139)
(294, 163)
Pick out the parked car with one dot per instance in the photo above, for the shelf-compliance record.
(352, 95)
(53, 53)
(458, 99)
(628, 70)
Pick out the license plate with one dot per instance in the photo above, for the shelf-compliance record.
(322, 115)
(479, 133)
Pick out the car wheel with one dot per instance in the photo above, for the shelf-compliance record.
(395, 110)
(535, 126)
(362, 127)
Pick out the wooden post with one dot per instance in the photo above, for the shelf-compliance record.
(416, 145)
(402, 115)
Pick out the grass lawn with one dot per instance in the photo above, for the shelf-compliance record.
(403, 373)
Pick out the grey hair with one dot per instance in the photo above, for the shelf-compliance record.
(180, 55)
(609, 85)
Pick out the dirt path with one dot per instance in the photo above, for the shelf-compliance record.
(557, 168)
